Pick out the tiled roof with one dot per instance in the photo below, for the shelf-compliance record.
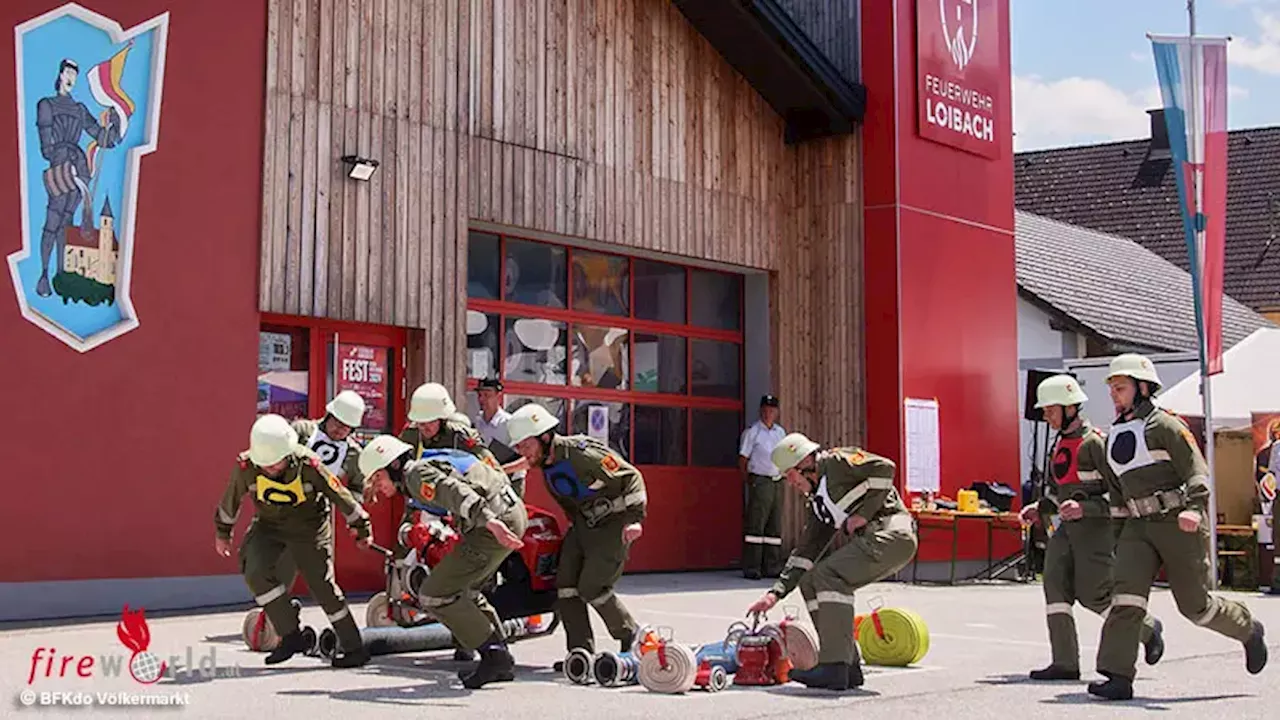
(1115, 188)
(1115, 287)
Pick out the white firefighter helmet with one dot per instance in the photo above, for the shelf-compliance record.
(271, 440)
(380, 452)
(791, 450)
(461, 418)
(1059, 390)
(529, 421)
(430, 402)
(1136, 366)
(348, 407)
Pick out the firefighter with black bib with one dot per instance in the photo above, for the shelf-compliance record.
(604, 498)
(291, 491)
(1163, 484)
(849, 490)
(1078, 518)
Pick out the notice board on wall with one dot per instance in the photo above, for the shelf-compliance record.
(924, 471)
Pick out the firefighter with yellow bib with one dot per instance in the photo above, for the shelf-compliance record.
(491, 518)
(604, 498)
(291, 491)
(1163, 484)
(1079, 561)
(849, 490)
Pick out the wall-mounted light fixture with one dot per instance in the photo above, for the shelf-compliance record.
(361, 168)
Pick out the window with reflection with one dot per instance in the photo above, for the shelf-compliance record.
(482, 344)
(717, 369)
(660, 364)
(601, 283)
(608, 421)
(715, 437)
(534, 274)
(600, 357)
(660, 291)
(555, 406)
(484, 266)
(536, 351)
(716, 299)
(661, 435)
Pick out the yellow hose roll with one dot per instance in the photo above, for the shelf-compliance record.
(905, 640)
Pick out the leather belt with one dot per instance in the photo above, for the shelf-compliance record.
(1156, 504)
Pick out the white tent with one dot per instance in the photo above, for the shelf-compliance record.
(1249, 382)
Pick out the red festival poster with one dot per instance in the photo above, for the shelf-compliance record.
(1266, 454)
(363, 368)
(958, 74)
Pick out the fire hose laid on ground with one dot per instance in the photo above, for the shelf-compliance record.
(892, 637)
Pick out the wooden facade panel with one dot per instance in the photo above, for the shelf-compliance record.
(609, 120)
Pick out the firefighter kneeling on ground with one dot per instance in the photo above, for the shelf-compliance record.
(291, 490)
(491, 518)
(604, 498)
(1079, 560)
(849, 489)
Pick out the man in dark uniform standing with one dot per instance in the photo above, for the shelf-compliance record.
(1163, 484)
(604, 498)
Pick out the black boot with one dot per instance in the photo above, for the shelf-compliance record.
(1155, 645)
(289, 646)
(353, 659)
(828, 676)
(496, 665)
(464, 655)
(626, 642)
(1114, 688)
(1055, 672)
(1255, 650)
(855, 675)
(751, 574)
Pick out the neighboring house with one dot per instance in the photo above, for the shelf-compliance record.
(1083, 293)
(1128, 189)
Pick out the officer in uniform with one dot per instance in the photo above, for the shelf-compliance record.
(491, 518)
(852, 490)
(291, 491)
(491, 423)
(762, 527)
(1080, 557)
(1162, 478)
(604, 499)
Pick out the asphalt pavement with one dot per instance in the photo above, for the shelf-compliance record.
(984, 639)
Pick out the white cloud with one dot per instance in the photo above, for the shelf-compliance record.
(1263, 53)
(1237, 92)
(1139, 57)
(1077, 110)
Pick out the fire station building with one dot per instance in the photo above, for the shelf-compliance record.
(643, 214)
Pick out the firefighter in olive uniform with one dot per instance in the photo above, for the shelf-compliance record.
(852, 490)
(604, 498)
(330, 438)
(1163, 483)
(1079, 560)
(491, 518)
(291, 491)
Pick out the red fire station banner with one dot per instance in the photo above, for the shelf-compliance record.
(363, 368)
(958, 74)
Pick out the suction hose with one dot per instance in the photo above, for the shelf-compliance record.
(578, 666)
(893, 637)
(421, 638)
(613, 669)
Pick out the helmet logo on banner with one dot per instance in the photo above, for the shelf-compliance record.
(960, 29)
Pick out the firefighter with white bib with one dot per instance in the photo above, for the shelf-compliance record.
(1078, 517)
(849, 490)
(1163, 484)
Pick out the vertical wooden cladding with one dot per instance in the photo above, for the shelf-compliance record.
(612, 120)
(387, 80)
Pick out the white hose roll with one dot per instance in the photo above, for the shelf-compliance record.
(258, 633)
(676, 677)
(801, 645)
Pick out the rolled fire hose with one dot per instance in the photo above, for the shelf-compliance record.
(800, 644)
(671, 669)
(893, 637)
(257, 631)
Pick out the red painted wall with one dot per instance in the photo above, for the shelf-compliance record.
(939, 267)
(115, 458)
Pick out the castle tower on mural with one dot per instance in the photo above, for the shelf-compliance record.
(94, 258)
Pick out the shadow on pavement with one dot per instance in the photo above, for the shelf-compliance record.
(794, 690)
(1084, 698)
(1019, 679)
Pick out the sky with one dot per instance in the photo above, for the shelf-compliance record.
(1083, 71)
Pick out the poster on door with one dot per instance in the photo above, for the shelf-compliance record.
(363, 369)
(1266, 452)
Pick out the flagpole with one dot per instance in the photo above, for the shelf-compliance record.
(1195, 105)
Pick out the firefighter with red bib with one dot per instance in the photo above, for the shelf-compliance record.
(1078, 518)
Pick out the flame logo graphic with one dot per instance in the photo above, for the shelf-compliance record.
(959, 45)
(145, 667)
